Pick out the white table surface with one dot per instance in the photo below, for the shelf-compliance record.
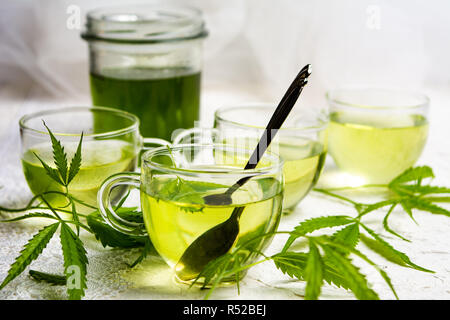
(110, 278)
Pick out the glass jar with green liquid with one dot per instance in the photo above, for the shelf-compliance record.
(146, 59)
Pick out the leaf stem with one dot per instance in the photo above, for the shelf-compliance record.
(358, 187)
(325, 191)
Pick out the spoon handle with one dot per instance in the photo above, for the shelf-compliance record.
(279, 116)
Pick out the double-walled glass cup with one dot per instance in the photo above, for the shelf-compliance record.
(111, 144)
(147, 59)
(174, 182)
(375, 134)
(301, 142)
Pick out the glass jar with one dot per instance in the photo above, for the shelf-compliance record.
(146, 59)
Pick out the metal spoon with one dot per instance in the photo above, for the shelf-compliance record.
(218, 240)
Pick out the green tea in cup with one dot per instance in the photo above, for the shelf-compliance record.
(375, 134)
(173, 184)
(108, 147)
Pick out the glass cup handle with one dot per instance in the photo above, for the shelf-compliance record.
(107, 210)
(154, 141)
(213, 134)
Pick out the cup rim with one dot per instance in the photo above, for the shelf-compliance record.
(229, 172)
(424, 99)
(322, 121)
(133, 127)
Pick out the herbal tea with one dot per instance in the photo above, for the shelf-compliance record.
(163, 99)
(100, 159)
(376, 148)
(175, 213)
(303, 162)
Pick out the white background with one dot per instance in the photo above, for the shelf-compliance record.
(255, 47)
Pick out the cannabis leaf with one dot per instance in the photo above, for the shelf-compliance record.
(59, 156)
(111, 237)
(75, 163)
(47, 277)
(148, 248)
(425, 205)
(293, 264)
(386, 225)
(314, 224)
(214, 271)
(75, 262)
(51, 172)
(420, 189)
(30, 252)
(75, 217)
(406, 190)
(62, 174)
(357, 282)
(313, 272)
(75, 259)
(348, 236)
(383, 248)
(416, 174)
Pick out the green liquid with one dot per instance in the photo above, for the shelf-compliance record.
(376, 149)
(163, 99)
(100, 159)
(303, 163)
(175, 222)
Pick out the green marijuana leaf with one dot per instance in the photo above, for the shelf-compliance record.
(313, 272)
(293, 264)
(314, 224)
(30, 252)
(59, 156)
(75, 262)
(47, 277)
(348, 236)
(387, 251)
(51, 172)
(148, 248)
(113, 238)
(75, 163)
(356, 281)
(413, 174)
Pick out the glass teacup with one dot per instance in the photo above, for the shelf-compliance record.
(174, 182)
(301, 142)
(376, 134)
(111, 144)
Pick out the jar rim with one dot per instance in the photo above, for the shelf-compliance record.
(145, 23)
